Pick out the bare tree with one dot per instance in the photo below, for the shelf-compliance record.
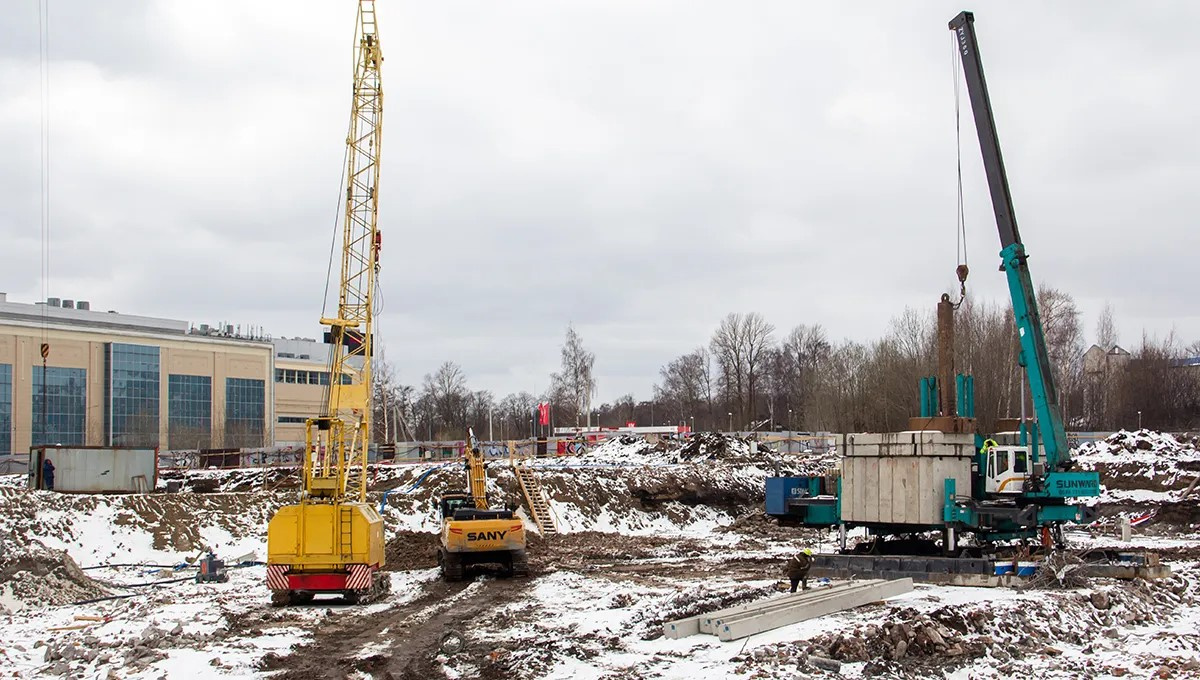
(1158, 388)
(739, 348)
(392, 403)
(446, 395)
(809, 348)
(515, 413)
(573, 388)
(1106, 329)
(1064, 343)
(757, 337)
(686, 389)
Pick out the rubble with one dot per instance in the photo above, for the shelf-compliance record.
(34, 576)
(649, 533)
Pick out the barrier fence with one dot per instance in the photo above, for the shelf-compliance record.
(401, 453)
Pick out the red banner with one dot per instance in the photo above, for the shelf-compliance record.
(544, 413)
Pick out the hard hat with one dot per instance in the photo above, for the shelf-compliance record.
(808, 551)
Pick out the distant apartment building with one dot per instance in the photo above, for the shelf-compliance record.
(1100, 361)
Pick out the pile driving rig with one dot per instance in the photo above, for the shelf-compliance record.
(940, 474)
(332, 541)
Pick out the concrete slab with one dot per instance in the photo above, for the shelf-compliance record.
(747, 624)
(709, 622)
(808, 599)
(703, 623)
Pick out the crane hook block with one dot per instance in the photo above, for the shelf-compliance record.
(962, 272)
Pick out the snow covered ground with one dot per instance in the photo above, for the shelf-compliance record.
(649, 534)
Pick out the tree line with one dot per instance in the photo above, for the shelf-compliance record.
(750, 376)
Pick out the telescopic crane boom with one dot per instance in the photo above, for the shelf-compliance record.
(1014, 260)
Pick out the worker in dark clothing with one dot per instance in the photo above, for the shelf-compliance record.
(797, 568)
(48, 475)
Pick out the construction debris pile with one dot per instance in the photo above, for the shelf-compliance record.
(1147, 476)
(1132, 460)
(629, 449)
(33, 576)
(1011, 639)
(650, 540)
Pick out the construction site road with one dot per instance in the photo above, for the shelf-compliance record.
(399, 642)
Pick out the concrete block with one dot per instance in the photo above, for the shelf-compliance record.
(706, 620)
(887, 565)
(709, 623)
(909, 443)
(674, 630)
(745, 625)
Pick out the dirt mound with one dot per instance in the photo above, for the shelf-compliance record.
(411, 550)
(1185, 512)
(226, 481)
(1142, 460)
(717, 446)
(628, 449)
(34, 576)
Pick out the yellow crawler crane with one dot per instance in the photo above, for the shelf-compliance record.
(331, 542)
(474, 534)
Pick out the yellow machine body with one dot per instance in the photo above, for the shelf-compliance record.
(483, 535)
(325, 537)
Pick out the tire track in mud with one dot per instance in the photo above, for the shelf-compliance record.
(403, 640)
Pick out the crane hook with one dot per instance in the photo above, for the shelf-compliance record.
(962, 270)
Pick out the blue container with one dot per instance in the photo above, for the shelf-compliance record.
(1026, 568)
(1003, 568)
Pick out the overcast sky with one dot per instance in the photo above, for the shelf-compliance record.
(638, 169)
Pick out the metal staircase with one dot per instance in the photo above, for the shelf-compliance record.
(535, 497)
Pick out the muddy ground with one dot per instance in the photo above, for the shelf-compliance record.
(642, 543)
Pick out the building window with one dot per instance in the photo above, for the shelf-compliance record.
(292, 420)
(189, 411)
(279, 375)
(5, 409)
(245, 409)
(64, 394)
(131, 392)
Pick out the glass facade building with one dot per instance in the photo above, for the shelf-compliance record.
(5, 409)
(245, 412)
(131, 389)
(65, 406)
(189, 411)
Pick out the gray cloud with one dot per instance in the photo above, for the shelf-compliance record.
(637, 169)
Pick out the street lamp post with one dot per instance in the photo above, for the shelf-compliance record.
(1139, 420)
(693, 428)
(731, 421)
(791, 428)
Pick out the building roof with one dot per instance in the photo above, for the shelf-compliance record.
(52, 314)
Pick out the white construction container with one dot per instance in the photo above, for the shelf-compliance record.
(899, 477)
(96, 469)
